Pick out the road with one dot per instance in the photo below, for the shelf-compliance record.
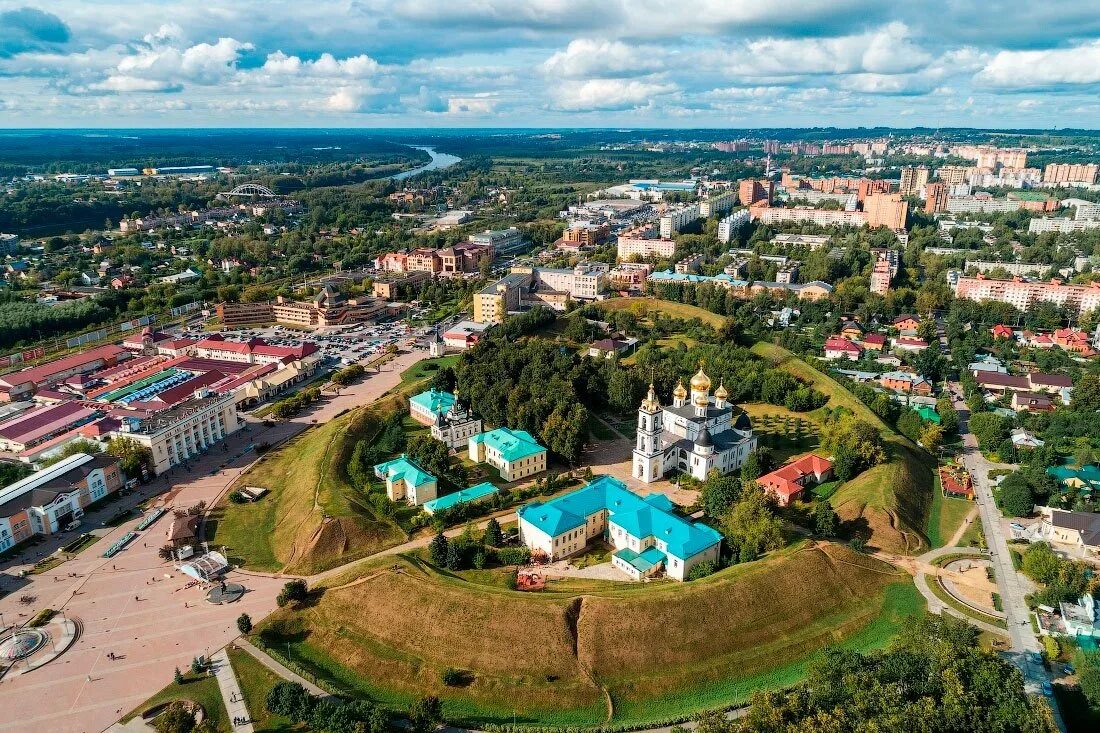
(136, 606)
(1024, 646)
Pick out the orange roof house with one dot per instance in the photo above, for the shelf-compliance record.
(1001, 331)
(787, 482)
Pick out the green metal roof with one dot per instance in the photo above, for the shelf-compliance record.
(435, 400)
(403, 468)
(643, 561)
(927, 413)
(473, 493)
(1088, 475)
(512, 444)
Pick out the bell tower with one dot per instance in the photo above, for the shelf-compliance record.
(647, 448)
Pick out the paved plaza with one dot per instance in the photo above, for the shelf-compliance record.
(138, 607)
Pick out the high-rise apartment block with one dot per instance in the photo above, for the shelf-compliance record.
(752, 191)
(913, 179)
(1070, 173)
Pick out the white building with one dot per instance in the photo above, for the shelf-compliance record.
(450, 422)
(1062, 225)
(184, 431)
(648, 536)
(643, 242)
(678, 218)
(503, 241)
(693, 436)
(718, 203)
(730, 225)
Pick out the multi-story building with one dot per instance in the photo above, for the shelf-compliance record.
(646, 532)
(751, 191)
(1023, 294)
(717, 203)
(586, 236)
(182, 432)
(935, 197)
(48, 500)
(678, 218)
(493, 302)
(644, 241)
(730, 225)
(886, 210)
(1070, 173)
(514, 453)
(913, 179)
(952, 175)
(423, 259)
(503, 241)
(585, 281)
(9, 243)
(810, 241)
(881, 278)
(464, 257)
(1062, 225)
(387, 285)
(406, 481)
(807, 215)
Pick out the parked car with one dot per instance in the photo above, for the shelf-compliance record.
(1047, 689)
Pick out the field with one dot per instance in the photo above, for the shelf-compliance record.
(592, 652)
(644, 306)
(891, 501)
(313, 519)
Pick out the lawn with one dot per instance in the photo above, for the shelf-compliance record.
(659, 651)
(786, 433)
(946, 516)
(201, 689)
(427, 368)
(644, 306)
(939, 591)
(891, 502)
(256, 681)
(287, 529)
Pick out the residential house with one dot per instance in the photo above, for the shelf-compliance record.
(910, 343)
(407, 481)
(905, 382)
(788, 482)
(514, 453)
(874, 342)
(837, 347)
(906, 323)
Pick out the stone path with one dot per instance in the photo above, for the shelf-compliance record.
(279, 669)
(239, 719)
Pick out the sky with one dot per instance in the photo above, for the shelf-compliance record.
(549, 63)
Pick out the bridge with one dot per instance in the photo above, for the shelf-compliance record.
(253, 190)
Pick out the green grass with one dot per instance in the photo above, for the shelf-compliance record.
(945, 516)
(427, 368)
(893, 499)
(201, 689)
(645, 306)
(663, 650)
(943, 595)
(256, 681)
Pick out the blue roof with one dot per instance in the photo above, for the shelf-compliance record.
(435, 400)
(642, 517)
(642, 561)
(512, 444)
(473, 493)
(403, 468)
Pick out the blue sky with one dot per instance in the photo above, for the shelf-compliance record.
(547, 63)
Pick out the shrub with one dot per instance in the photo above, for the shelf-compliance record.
(425, 714)
(702, 570)
(290, 700)
(452, 677)
(244, 623)
(512, 555)
(236, 497)
(293, 592)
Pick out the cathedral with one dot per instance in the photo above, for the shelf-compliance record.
(697, 433)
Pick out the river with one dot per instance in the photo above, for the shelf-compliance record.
(439, 160)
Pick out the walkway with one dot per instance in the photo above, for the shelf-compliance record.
(239, 719)
(276, 667)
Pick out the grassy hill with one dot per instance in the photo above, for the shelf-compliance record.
(892, 499)
(642, 307)
(313, 519)
(591, 652)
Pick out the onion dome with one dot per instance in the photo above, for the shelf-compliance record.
(701, 401)
(680, 392)
(700, 381)
(721, 393)
(650, 403)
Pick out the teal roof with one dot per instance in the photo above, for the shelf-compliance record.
(473, 493)
(927, 413)
(512, 444)
(642, 561)
(403, 468)
(640, 516)
(435, 400)
(1090, 474)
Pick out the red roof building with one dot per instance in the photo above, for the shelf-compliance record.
(787, 482)
(875, 341)
(1001, 331)
(955, 482)
(838, 347)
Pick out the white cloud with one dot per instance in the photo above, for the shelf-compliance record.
(203, 63)
(887, 50)
(607, 94)
(326, 65)
(123, 83)
(584, 58)
(1039, 69)
(352, 99)
(481, 104)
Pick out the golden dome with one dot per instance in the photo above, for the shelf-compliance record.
(701, 401)
(680, 393)
(700, 381)
(721, 392)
